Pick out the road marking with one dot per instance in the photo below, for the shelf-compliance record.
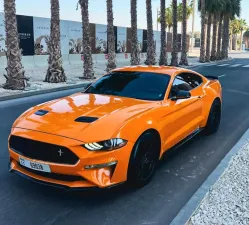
(246, 66)
(222, 75)
(235, 65)
(238, 92)
(224, 65)
(209, 65)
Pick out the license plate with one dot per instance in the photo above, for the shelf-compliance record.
(34, 165)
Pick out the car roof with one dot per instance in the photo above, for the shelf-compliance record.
(167, 70)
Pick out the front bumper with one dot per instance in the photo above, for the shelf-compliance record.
(56, 185)
(99, 177)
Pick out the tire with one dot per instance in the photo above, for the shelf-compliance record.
(214, 118)
(144, 159)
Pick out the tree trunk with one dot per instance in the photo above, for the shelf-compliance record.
(203, 32)
(231, 41)
(224, 38)
(15, 78)
(110, 37)
(219, 37)
(87, 49)
(55, 72)
(184, 59)
(227, 37)
(214, 42)
(174, 58)
(241, 41)
(208, 37)
(163, 55)
(135, 54)
(236, 40)
(151, 59)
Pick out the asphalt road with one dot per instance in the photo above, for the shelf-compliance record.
(177, 178)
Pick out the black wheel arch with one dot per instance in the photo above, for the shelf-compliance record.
(154, 137)
(157, 136)
(217, 100)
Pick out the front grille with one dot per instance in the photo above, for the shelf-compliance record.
(42, 151)
(54, 176)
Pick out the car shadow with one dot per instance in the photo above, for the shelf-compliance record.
(92, 197)
(174, 152)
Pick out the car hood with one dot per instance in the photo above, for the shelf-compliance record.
(110, 114)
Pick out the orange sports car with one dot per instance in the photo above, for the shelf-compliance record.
(116, 130)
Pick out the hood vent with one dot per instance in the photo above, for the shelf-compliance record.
(85, 119)
(41, 112)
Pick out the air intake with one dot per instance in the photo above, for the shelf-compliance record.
(84, 119)
(41, 112)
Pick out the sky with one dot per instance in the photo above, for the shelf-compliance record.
(97, 11)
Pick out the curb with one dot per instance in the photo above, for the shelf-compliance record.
(45, 91)
(207, 64)
(183, 217)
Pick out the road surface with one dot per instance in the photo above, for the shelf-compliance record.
(177, 178)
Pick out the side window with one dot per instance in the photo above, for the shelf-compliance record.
(185, 82)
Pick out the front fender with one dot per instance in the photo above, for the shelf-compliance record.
(135, 127)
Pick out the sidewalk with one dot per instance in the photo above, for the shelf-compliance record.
(223, 198)
(227, 202)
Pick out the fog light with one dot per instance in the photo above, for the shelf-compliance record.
(99, 166)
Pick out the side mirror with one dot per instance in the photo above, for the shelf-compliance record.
(181, 95)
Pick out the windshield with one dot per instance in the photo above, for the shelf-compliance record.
(139, 85)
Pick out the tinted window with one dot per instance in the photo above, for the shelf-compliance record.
(139, 85)
(185, 82)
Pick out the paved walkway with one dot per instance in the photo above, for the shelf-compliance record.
(228, 200)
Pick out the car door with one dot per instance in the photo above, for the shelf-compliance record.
(184, 115)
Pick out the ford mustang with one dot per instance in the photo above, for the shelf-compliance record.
(116, 130)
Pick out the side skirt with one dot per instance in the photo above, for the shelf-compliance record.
(182, 142)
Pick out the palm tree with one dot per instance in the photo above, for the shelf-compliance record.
(232, 8)
(184, 60)
(151, 59)
(174, 59)
(188, 8)
(214, 41)
(55, 72)
(135, 54)
(163, 55)
(246, 37)
(168, 18)
(87, 50)
(202, 8)
(110, 37)
(234, 29)
(221, 16)
(15, 78)
(215, 8)
(242, 26)
(224, 36)
(209, 23)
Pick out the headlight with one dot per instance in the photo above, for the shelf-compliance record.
(107, 145)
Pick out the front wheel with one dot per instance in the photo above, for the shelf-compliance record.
(143, 160)
(214, 118)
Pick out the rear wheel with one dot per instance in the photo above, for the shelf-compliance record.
(143, 160)
(214, 118)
